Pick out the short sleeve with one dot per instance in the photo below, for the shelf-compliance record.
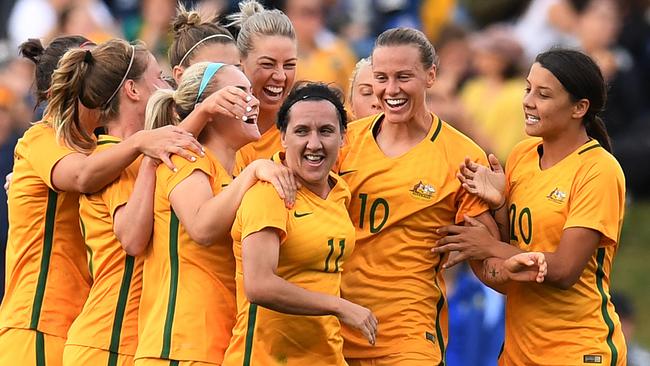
(184, 169)
(45, 152)
(262, 208)
(597, 201)
(118, 193)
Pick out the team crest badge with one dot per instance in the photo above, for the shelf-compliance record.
(557, 196)
(423, 191)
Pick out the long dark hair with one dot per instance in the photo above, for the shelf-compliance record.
(582, 79)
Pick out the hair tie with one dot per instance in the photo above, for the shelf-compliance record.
(128, 69)
(88, 57)
(201, 41)
(87, 43)
(209, 72)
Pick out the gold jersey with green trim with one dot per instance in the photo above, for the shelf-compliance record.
(317, 237)
(264, 148)
(47, 279)
(397, 204)
(188, 305)
(109, 319)
(544, 324)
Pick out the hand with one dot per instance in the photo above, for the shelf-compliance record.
(280, 176)
(8, 181)
(527, 267)
(488, 184)
(360, 318)
(161, 143)
(230, 102)
(471, 242)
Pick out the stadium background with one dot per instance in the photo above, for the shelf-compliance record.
(473, 37)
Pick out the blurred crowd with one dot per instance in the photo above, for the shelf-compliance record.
(483, 49)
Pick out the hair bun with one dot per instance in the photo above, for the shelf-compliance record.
(32, 49)
(247, 9)
(185, 20)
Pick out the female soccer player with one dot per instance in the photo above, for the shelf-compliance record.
(562, 194)
(289, 261)
(196, 40)
(188, 307)
(363, 101)
(267, 44)
(400, 166)
(46, 259)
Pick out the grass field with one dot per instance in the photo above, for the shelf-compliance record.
(632, 266)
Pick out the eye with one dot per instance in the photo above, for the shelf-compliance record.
(300, 131)
(527, 90)
(290, 66)
(380, 78)
(266, 65)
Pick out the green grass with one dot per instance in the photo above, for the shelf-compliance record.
(631, 265)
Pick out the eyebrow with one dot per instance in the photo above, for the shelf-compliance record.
(293, 59)
(539, 87)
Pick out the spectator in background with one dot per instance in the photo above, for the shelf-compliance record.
(322, 56)
(636, 355)
(38, 18)
(492, 98)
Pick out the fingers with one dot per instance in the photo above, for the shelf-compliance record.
(470, 165)
(278, 187)
(370, 325)
(167, 161)
(467, 172)
(177, 150)
(472, 221)
(455, 259)
(495, 164)
(446, 248)
(450, 229)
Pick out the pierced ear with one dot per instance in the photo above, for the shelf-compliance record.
(580, 108)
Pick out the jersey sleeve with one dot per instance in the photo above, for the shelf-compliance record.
(597, 201)
(184, 169)
(118, 193)
(46, 152)
(469, 204)
(263, 208)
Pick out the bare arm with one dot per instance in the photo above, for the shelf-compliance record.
(133, 222)
(260, 255)
(207, 218)
(77, 172)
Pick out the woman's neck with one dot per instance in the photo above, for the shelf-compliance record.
(559, 147)
(220, 147)
(266, 119)
(121, 128)
(395, 139)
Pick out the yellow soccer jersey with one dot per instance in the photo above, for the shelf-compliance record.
(397, 204)
(317, 238)
(188, 304)
(264, 148)
(47, 279)
(109, 319)
(546, 325)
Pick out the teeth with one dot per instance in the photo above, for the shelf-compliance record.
(313, 157)
(532, 118)
(274, 89)
(395, 102)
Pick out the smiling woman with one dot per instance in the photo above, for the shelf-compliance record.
(289, 261)
(267, 44)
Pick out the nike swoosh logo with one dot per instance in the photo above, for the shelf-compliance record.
(298, 215)
(347, 172)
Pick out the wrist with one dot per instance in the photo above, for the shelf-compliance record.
(498, 206)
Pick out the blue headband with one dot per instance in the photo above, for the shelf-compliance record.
(209, 72)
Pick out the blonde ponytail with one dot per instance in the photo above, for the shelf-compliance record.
(161, 110)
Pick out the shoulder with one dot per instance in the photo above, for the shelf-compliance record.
(595, 160)
(522, 149)
(454, 141)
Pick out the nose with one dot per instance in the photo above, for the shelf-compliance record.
(313, 142)
(528, 101)
(375, 106)
(279, 75)
(392, 87)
